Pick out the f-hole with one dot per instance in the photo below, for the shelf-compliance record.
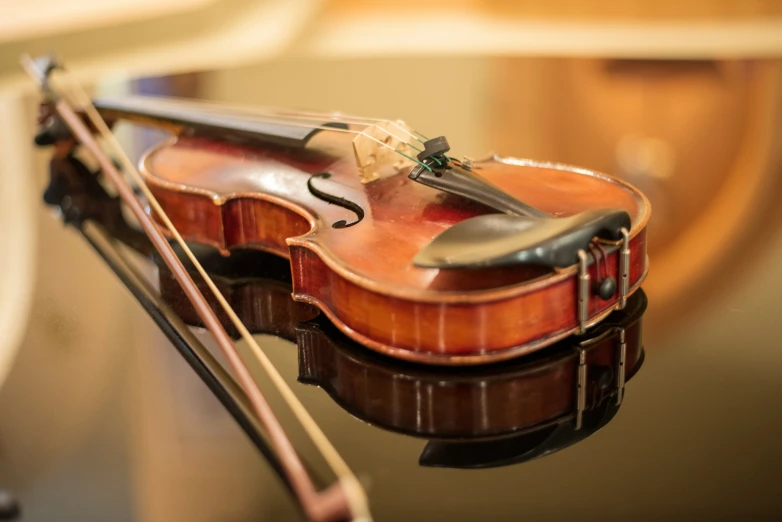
(335, 200)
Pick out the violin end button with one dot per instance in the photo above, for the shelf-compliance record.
(607, 288)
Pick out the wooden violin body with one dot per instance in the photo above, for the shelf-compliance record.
(354, 242)
(361, 276)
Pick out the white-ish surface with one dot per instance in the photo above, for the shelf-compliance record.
(257, 31)
(17, 227)
(65, 319)
(37, 18)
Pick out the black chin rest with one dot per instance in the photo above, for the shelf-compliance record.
(503, 239)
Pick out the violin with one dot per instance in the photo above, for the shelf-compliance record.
(423, 258)
(409, 252)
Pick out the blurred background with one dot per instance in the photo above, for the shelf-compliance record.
(681, 99)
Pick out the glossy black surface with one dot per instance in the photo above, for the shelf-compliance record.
(695, 437)
(518, 449)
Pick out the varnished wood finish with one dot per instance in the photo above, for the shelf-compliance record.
(231, 196)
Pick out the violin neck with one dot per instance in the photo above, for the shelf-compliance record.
(194, 118)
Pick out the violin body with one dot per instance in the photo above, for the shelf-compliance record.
(362, 277)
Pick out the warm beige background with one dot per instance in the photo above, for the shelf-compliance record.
(168, 451)
(98, 415)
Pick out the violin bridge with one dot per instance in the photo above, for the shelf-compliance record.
(381, 148)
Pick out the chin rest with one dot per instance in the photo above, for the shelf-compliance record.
(503, 239)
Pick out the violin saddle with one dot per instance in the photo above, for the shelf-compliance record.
(504, 239)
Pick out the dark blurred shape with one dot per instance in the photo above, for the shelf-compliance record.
(9, 506)
(517, 449)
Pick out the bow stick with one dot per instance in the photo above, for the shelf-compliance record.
(344, 499)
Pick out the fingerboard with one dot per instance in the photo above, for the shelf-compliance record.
(202, 119)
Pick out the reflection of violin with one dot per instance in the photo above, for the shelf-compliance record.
(558, 385)
(500, 414)
(413, 254)
(516, 449)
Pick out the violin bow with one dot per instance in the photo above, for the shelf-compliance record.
(346, 498)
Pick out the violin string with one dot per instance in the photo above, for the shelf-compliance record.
(326, 128)
(353, 490)
(341, 117)
(313, 116)
(350, 131)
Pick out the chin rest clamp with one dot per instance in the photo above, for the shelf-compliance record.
(605, 286)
